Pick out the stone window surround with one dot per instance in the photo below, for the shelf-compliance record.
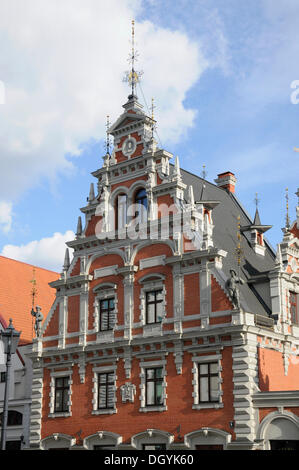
(207, 436)
(96, 371)
(197, 405)
(151, 282)
(105, 438)
(149, 365)
(102, 292)
(57, 441)
(151, 436)
(54, 375)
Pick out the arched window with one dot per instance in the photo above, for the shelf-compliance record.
(141, 204)
(14, 418)
(121, 211)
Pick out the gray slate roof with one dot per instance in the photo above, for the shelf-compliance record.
(255, 297)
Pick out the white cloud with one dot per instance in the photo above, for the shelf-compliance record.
(5, 216)
(47, 253)
(62, 66)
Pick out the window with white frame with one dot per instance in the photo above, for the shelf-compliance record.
(152, 299)
(207, 391)
(153, 386)
(60, 393)
(105, 312)
(294, 308)
(104, 390)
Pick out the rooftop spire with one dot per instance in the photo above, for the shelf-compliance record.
(66, 263)
(132, 77)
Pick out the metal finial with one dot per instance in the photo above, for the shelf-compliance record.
(239, 251)
(133, 77)
(287, 209)
(33, 290)
(204, 173)
(256, 200)
(153, 119)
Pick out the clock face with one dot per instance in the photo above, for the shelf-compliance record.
(129, 146)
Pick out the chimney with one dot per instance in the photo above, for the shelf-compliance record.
(226, 181)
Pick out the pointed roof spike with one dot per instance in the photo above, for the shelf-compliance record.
(177, 169)
(91, 193)
(203, 199)
(66, 263)
(79, 227)
(203, 195)
(191, 195)
(257, 220)
(278, 258)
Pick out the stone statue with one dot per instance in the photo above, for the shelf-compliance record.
(38, 321)
(232, 288)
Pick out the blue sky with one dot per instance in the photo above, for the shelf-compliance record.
(220, 72)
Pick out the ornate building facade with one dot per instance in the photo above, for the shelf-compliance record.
(175, 325)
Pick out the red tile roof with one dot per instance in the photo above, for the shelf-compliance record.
(15, 294)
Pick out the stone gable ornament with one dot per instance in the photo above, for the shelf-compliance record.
(38, 321)
(233, 289)
(128, 392)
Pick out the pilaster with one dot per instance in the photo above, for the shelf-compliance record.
(36, 404)
(245, 380)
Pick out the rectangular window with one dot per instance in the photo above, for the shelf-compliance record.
(107, 314)
(293, 307)
(61, 394)
(208, 379)
(153, 384)
(3, 377)
(106, 390)
(154, 306)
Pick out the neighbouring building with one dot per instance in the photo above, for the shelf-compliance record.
(175, 324)
(16, 303)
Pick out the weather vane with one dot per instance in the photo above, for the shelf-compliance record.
(239, 251)
(35, 313)
(133, 77)
(33, 290)
(204, 173)
(153, 120)
(256, 200)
